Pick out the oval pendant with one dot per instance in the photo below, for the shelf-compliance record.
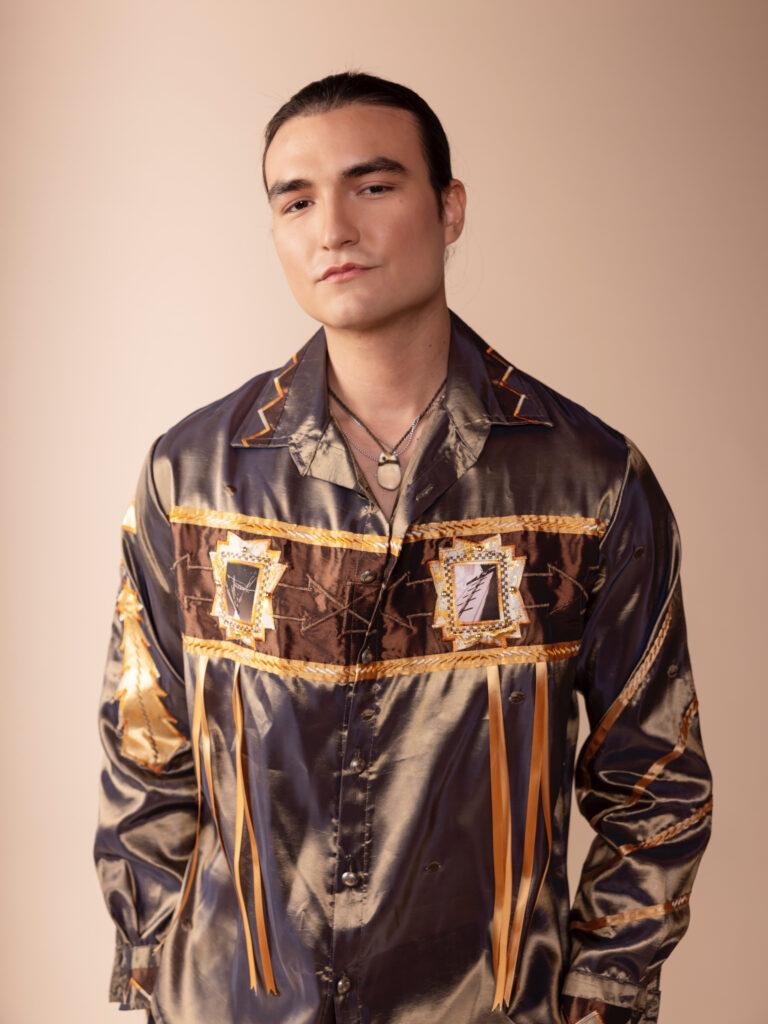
(388, 472)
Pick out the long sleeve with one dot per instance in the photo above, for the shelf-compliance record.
(147, 801)
(642, 778)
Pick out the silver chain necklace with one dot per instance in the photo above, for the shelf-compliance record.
(389, 472)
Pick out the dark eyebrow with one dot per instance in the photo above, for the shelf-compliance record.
(377, 163)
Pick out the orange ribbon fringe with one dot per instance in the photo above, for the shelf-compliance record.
(505, 946)
(242, 810)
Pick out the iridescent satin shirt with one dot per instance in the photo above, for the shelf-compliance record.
(340, 749)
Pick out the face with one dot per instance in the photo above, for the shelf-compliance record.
(352, 186)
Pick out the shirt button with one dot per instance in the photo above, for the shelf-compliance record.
(343, 984)
(366, 656)
(367, 576)
(350, 878)
(357, 764)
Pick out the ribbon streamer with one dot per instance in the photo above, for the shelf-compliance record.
(200, 731)
(242, 810)
(505, 946)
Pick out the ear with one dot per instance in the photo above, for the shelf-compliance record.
(454, 206)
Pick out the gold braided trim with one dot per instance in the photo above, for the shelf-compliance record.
(277, 528)
(379, 543)
(668, 833)
(335, 673)
(634, 683)
(506, 524)
(659, 910)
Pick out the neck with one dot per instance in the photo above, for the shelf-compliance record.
(388, 374)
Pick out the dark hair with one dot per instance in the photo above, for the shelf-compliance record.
(350, 87)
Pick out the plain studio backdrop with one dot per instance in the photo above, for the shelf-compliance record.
(614, 154)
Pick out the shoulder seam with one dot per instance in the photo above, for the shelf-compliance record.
(622, 491)
(153, 482)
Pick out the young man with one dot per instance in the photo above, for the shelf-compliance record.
(358, 598)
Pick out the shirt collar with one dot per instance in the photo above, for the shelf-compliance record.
(482, 388)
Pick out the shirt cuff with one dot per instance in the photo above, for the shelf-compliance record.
(625, 1002)
(133, 975)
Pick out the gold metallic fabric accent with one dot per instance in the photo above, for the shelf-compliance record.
(129, 519)
(334, 673)
(148, 735)
(379, 543)
(242, 810)
(505, 960)
(637, 914)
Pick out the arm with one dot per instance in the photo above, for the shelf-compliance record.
(642, 778)
(147, 792)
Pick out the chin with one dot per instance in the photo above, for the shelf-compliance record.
(352, 316)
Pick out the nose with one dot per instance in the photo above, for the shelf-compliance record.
(338, 228)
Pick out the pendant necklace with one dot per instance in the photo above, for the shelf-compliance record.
(389, 472)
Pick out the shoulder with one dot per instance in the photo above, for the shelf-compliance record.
(585, 444)
(606, 448)
(201, 436)
(579, 432)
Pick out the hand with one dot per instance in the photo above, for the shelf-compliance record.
(574, 1010)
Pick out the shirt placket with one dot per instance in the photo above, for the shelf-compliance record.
(353, 819)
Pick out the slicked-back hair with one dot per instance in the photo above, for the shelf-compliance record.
(349, 87)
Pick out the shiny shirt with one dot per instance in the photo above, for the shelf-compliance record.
(340, 747)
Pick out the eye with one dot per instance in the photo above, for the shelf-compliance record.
(289, 208)
(294, 207)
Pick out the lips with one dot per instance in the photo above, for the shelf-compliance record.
(344, 272)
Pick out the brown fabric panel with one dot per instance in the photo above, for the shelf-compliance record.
(322, 609)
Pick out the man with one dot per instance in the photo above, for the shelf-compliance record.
(358, 598)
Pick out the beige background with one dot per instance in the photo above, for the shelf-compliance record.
(615, 158)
